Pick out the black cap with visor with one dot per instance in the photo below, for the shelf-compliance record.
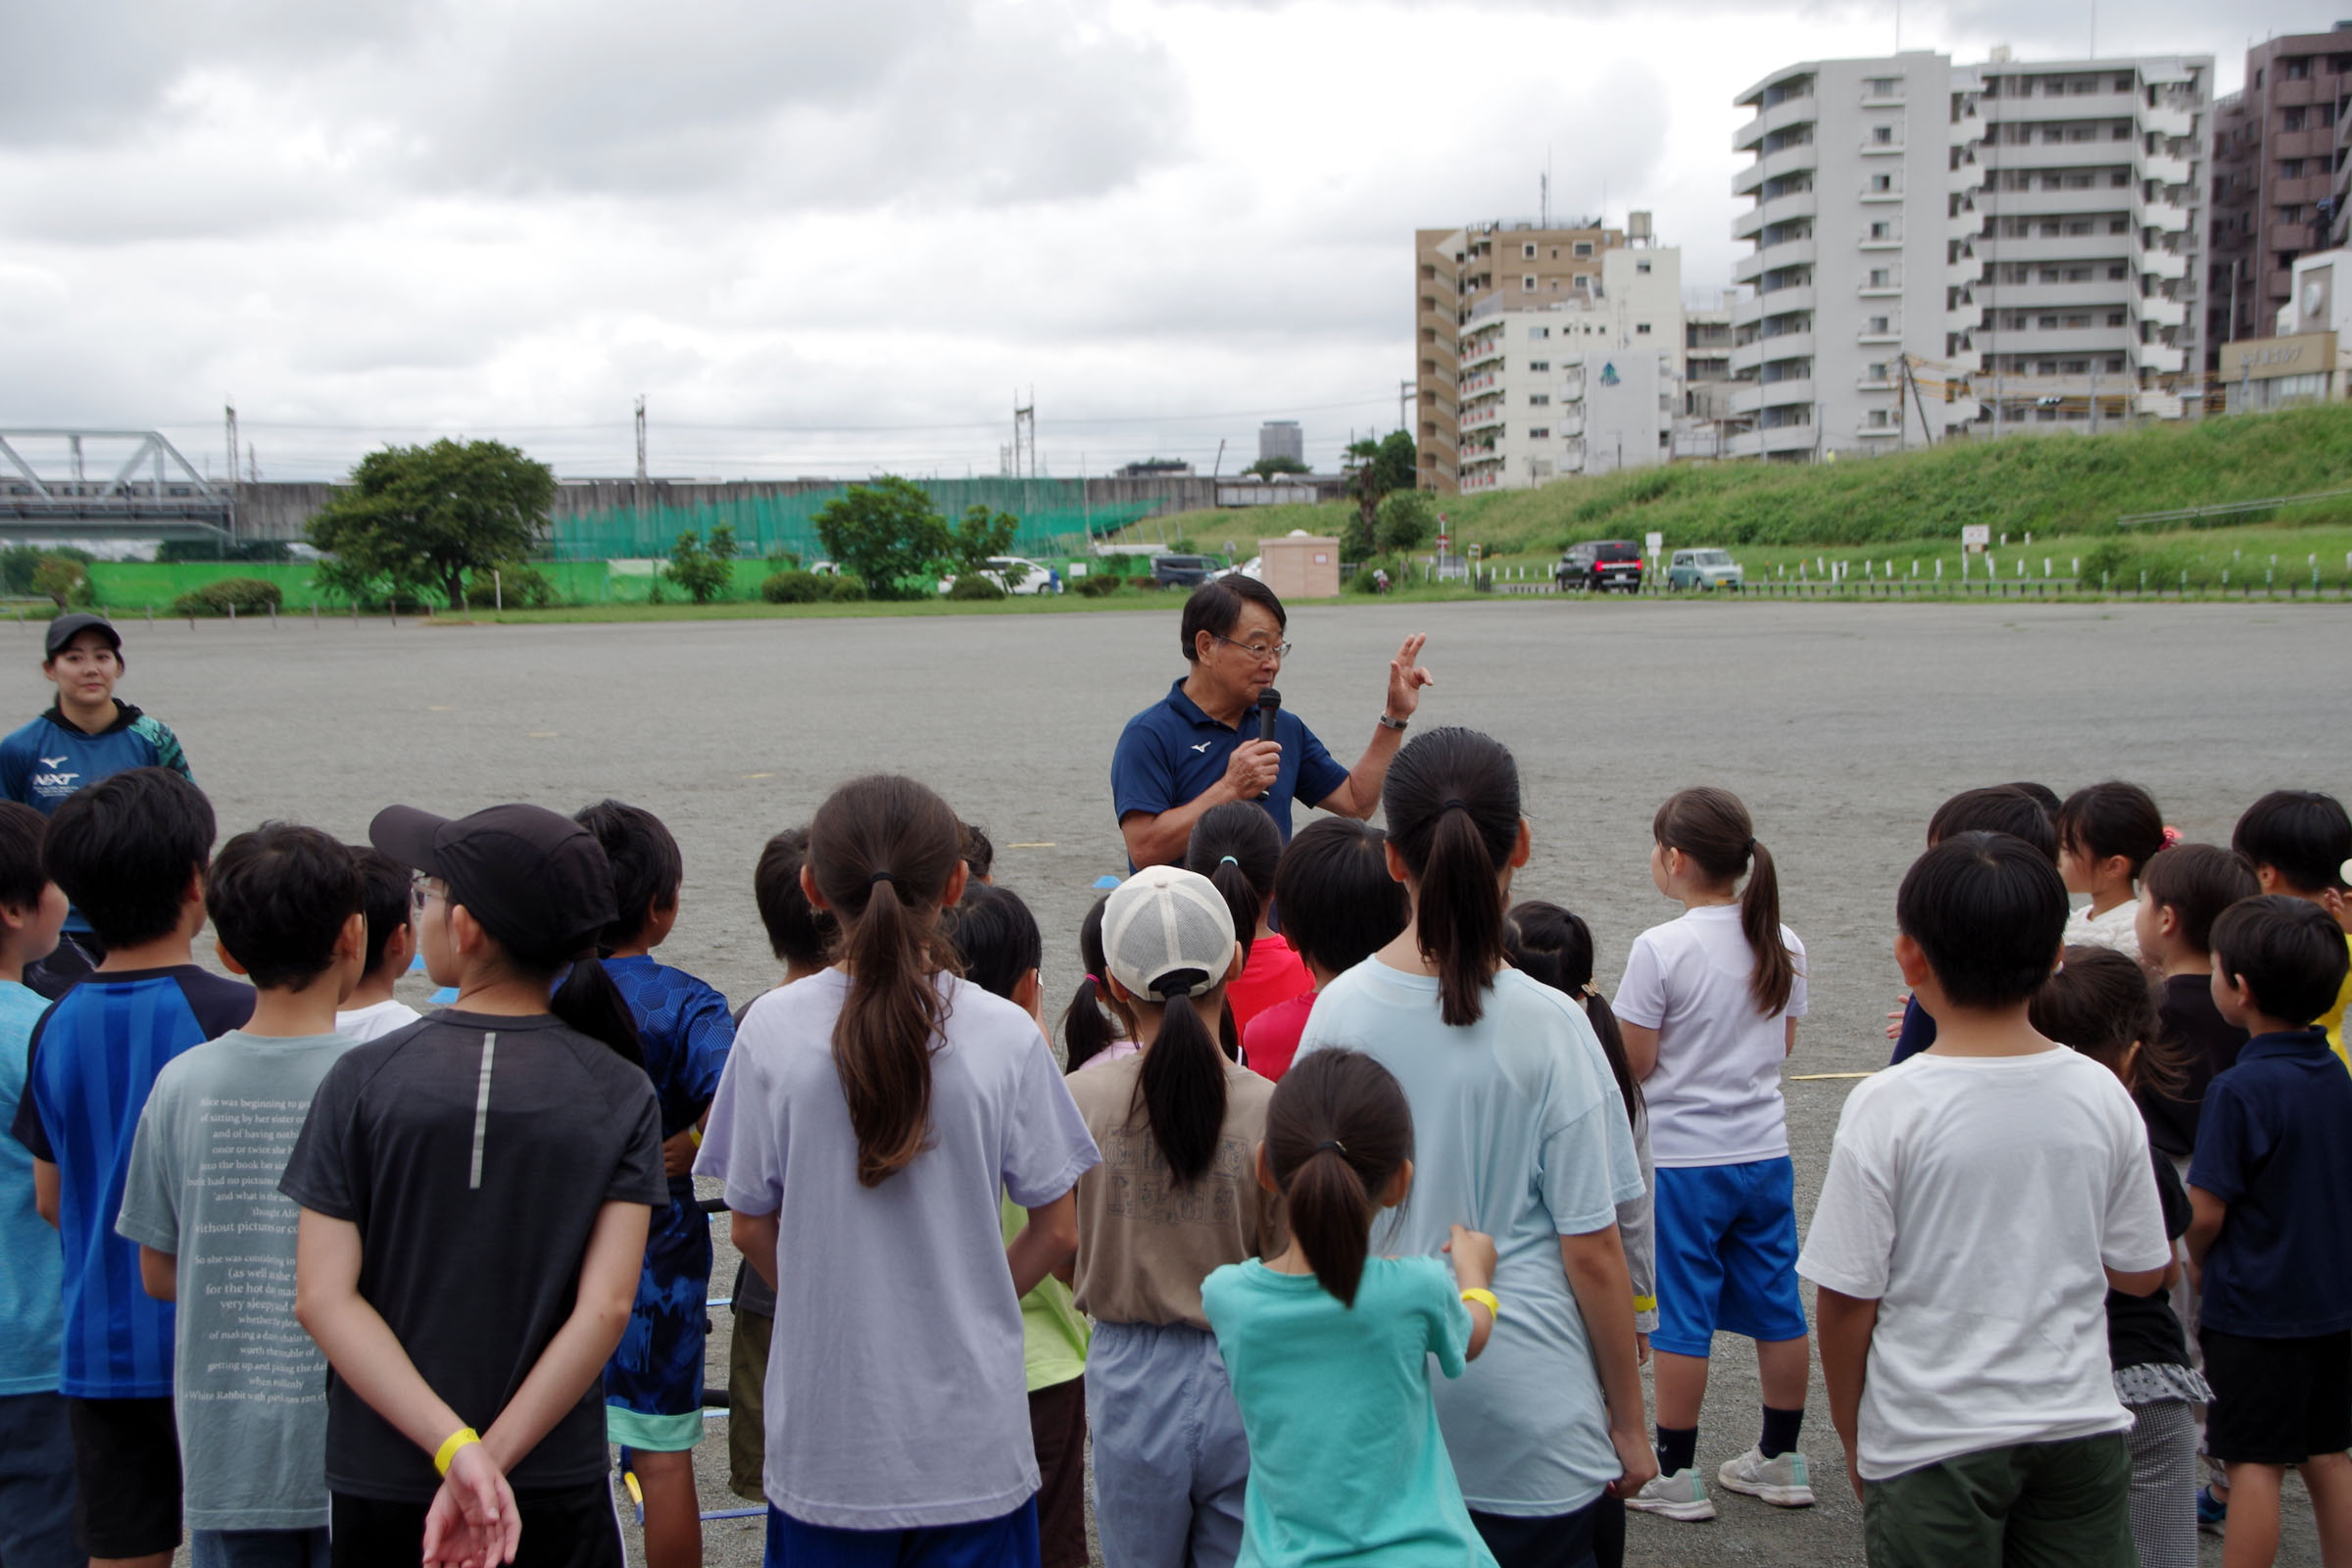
(537, 881)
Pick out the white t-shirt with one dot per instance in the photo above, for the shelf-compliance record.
(376, 1020)
(1715, 1096)
(1976, 1200)
(2118, 928)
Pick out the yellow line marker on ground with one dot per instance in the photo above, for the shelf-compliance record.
(1816, 1077)
(759, 775)
(1045, 845)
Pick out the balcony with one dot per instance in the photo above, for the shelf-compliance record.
(1474, 384)
(1872, 195)
(1890, 431)
(2042, 110)
(1893, 333)
(2040, 155)
(1752, 397)
(2161, 358)
(2161, 310)
(2165, 171)
(2167, 121)
(1889, 242)
(1788, 112)
(1782, 301)
(1779, 210)
(1881, 291)
(1746, 356)
(2105, 294)
(2163, 217)
(1787, 253)
(1489, 417)
(1745, 444)
(2094, 201)
(1489, 352)
(2056, 342)
(1968, 176)
(2163, 264)
(1883, 149)
(1787, 438)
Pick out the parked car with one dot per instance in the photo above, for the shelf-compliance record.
(1016, 575)
(1254, 567)
(1704, 569)
(1600, 564)
(1183, 572)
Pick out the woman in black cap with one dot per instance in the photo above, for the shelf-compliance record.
(475, 1190)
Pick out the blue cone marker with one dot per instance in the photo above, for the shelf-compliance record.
(1107, 882)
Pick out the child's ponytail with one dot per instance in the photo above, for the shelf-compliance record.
(1337, 1130)
(1182, 1088)
(881, 850)
(1554, 945)
(588, 1000)
(1236, 846)
(1453, 801)
(1712, 827)
(1087, 1024)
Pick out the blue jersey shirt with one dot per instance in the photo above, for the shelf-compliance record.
(31, 1280)
(1173, 752)
(45, 761)
(685, 1030)
(94, 1057)
(2274, 1143)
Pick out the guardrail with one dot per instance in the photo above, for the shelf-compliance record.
(2227, 509)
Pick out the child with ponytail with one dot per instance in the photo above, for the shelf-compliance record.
(2106, 834)
(1174, 1200)
(1236, 846)
(475, 1190)
(1325, 1341)
(867, 1120)
(1097, 1028)
(1554, 946)
(1709, 1005)
(1520, 1135)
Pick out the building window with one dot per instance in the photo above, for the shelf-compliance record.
(2299, 69)
(1539, 432)
(1882, 135)
(1538, 331)
(1881, 277)
(1539, 400)
(1539, 367)
(1880, 419)
(1527, 253)
(1642, 268)
(1878, 371)
(2078, 367)
(1584, 282)
(1527, 284)
(1583, 247)
(1878, 325)
(2114, 319)
(2293, 120)
(2115, 225)
(2290, 169)
(2045, 323)
(1641, 328)
(1881, 183)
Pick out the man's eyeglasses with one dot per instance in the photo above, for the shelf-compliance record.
(421, 893)
(1258, 650)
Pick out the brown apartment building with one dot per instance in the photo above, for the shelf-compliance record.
(1457, 270)
(2277, 174)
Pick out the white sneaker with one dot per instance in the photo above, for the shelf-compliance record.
(1680, 1496)
(1782, 1482)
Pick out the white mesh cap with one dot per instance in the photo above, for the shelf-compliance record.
(1167, 932)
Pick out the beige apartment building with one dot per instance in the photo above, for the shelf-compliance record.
(1498, 265)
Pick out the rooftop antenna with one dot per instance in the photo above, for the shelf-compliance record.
(1543, 185)
(2094, 30)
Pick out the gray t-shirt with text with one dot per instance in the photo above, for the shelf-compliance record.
(249, 1387)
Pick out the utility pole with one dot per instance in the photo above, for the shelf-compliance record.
(641, 453)
(1404, 395)
(231, 410)
(1024, 433)
(2094, 397)
(253, 467)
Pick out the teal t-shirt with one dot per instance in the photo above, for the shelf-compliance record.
(32, 1285)
(1346, 1460)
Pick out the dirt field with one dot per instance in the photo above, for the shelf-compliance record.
(1841, 725)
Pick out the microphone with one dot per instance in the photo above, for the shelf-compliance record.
(1269, 709)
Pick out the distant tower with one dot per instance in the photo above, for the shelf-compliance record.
(1280, 438)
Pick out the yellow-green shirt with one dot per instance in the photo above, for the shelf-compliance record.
(1053, 1336)
(2334, 1020)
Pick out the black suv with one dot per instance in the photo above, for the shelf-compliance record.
(1600, 564)
(1181, 571)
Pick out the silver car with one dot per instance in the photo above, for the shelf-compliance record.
(1704, 569)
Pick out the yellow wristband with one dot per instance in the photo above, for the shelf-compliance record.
(694, 1133)
(1645, 1303)
(1485, 1298)
(451, 1445)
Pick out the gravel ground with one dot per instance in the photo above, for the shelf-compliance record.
(1841, 726)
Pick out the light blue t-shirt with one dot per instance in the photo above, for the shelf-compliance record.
(1517, 1132)
(32, 1287)
(1346, 1460)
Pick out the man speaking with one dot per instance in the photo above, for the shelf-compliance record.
(1200, 746)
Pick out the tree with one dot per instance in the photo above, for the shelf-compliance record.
(701, 569)
(19, 563)
(1269, 468)
(1373, 468)
(888, 533)
(1406, 520)
(982, 536)
(422, 517)
(65, 580)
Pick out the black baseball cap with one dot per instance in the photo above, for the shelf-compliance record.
(64, 628)
(536, 880)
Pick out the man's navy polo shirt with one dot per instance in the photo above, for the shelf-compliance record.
(2274, 1143)
(1172, 752)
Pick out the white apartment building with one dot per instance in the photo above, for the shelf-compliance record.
(1940, 249)
(1586, 384)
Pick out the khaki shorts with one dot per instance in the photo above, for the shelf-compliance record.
(747, 1409)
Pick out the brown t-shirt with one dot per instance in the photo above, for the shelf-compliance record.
(1145, 1245)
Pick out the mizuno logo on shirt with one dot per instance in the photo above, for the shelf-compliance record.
(52, 762)
(1205, 746)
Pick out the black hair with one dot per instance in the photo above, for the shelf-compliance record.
(2101, 821)
(1998, 809)
(385, 898)
(994, 935)
(2198, 882)
(2041, 795)
(647, 868)
(799, 933)
(1216, 605)
(1337, 1130)
(1554, 945)
(22, 880)
(279, 896)
(2100, 1002)
(1989, 912)
(124, 850)
(979, 852)
(1712, 827)
(1236, 846)
(1338, 906)
(1095, 1019)
(2301, 834)
(2288, 951)
(882, 849)
(1181, 1088)
(1452, 803)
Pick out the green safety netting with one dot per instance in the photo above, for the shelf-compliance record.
(1056, 518)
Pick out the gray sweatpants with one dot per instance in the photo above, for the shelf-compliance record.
(1171, 1461)
(2164, 1484)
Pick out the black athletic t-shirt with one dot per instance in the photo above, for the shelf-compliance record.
(473, 1153)
(2209, 1043)
(2144, 1330)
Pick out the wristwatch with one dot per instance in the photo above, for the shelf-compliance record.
(1386, 722)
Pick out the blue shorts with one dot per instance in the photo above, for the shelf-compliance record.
(654, 1383)
(1009, 1541)
(1727, 1254)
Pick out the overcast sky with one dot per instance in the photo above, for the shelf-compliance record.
(834, 238)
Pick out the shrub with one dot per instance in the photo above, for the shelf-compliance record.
(972, 585)
(247, 596)
(1398, 567)
(514, 584)
(848, 589)
(2112, 559)
(1407, 521)
(796, 587)
(65, 580)
(1097, 584)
